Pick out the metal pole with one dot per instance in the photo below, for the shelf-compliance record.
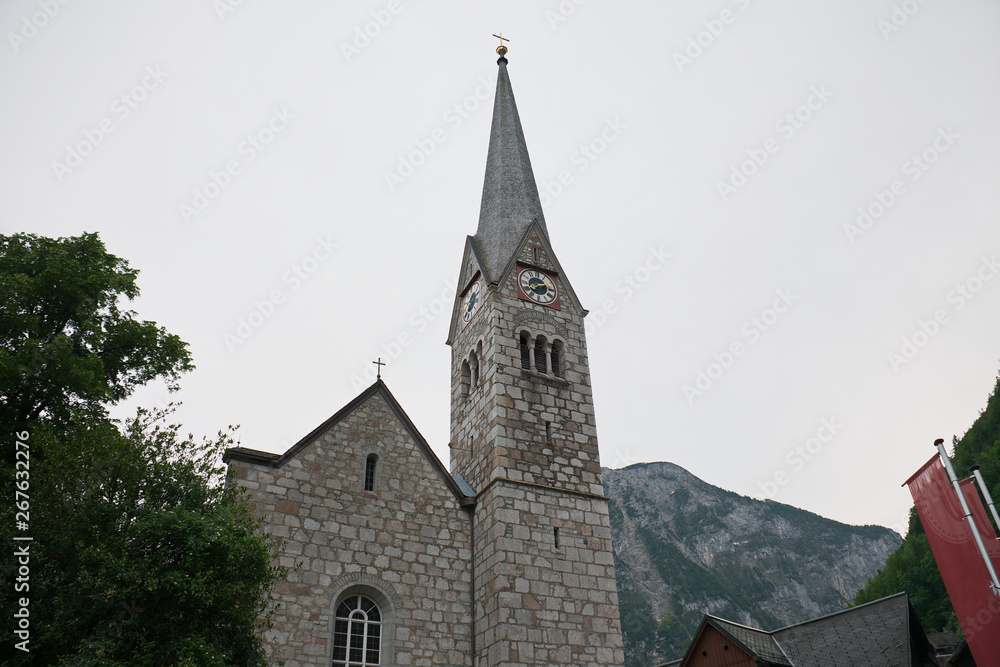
(939, 443)
(986, 494)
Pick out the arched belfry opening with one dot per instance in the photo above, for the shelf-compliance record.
(525, 351)
(540, 362)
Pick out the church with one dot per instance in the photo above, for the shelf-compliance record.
(504, 560)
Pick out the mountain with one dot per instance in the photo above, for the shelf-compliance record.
(684, 548)
(912, 568)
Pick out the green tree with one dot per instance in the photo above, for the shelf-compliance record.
(66, 346)
(142, 553)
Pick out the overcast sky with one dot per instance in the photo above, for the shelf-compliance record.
(781, 215)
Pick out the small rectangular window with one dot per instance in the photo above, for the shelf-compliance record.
(556, 536)
(370, 464)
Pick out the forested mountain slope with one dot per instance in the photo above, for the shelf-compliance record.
(684, 548)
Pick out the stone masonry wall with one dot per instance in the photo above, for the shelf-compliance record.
(545, 601)
(408, 543)
(526, 440)
(499, 429)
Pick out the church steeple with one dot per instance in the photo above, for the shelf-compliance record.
(523, 432)
(510, 195)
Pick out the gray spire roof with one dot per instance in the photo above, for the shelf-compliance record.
(510, 196)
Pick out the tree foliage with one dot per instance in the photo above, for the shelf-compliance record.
(912, 567)
(142, 554)
(66, 346)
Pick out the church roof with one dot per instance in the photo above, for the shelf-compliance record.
(457, 485)
(510, 195)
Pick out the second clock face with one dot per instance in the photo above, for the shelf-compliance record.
(470, 303)
(537, 286)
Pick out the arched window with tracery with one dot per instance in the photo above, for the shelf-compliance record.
(357, 633)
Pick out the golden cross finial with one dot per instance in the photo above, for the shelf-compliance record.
(502, 50)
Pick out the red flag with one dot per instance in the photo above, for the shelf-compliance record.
(982, 519)
(958, 557)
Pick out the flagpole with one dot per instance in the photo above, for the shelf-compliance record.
(939, 443)
(986, 494)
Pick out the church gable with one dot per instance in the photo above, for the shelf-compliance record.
(535, 251)
(323, 434)
(365, 508)
(713, 647)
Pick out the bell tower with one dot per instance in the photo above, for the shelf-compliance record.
(523, 433)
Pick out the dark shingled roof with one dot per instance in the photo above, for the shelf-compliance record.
(757, 642)
(883, 633)
(876, 634)
(510, 195)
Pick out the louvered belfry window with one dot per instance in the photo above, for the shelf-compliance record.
(465, 379)
(357, 633)
(540, 364)
(525, 352)
(557, 360)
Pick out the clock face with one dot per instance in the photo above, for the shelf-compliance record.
(470, 302)
(537, 286)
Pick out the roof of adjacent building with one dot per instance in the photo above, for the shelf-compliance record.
(883, 633)
(758, 642)
(510, 195)
(877, 633)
